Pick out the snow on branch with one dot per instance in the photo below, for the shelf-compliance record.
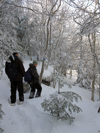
(60, 105)
(90, 25)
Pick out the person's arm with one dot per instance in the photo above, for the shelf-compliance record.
(35, 74)
(21, 68)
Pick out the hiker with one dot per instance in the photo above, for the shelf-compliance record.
(34, 84)
(17, 81)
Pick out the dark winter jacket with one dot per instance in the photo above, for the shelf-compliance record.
(34, 73)
(19, 65)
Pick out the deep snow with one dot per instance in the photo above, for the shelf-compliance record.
(30, 117)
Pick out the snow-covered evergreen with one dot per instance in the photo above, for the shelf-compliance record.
(61, 106)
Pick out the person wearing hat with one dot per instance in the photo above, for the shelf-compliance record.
(34, 84)
(17, 82)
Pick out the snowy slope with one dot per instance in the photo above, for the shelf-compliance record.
(30, 117)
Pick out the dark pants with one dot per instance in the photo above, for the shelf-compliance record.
(36, 86)
(14, 86)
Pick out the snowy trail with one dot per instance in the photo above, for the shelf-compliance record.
(27, 118)
(30, 117)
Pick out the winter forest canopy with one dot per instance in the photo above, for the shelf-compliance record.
(61, 33)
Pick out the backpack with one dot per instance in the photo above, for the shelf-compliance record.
(11, 70)
(27, 76)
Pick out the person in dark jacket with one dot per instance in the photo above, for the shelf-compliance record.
(34, 84)
(16, 83)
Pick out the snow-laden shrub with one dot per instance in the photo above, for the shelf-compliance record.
(1, 113)
(60, 105)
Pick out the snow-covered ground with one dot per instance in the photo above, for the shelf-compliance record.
(30, 117)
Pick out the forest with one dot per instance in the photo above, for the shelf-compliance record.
(63, 34)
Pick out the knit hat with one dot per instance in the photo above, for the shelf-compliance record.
(15, 53)
(35, 62)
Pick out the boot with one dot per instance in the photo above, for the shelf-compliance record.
(31, 95)
(38, 94)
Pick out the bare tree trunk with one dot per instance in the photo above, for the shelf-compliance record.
(53, 11)
(80, 68)
(59, 81)
(54, 81)
(99, 86)
(28, 37)
(70, 73)
(42, 70)
(59, 87)
(93, 88)
(93, 82)
(92, 46)
(54, 84)
(1, 64)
